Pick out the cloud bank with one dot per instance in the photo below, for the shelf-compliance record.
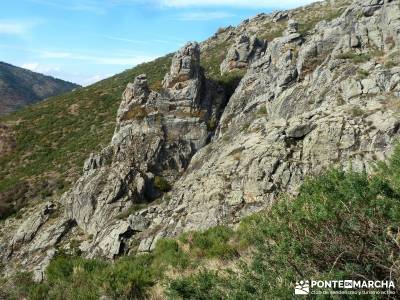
(11, 27)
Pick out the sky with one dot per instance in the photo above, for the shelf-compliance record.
(84, 41)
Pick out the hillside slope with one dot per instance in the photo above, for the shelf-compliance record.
(20, 87)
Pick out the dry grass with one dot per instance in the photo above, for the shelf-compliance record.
(137, 112)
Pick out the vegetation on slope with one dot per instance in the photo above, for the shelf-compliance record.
(342, 225)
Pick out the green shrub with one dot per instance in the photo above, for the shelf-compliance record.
(73, 277)
(262, 111)
(61, 268)
(136, 112)
(356, 58)
(275, 32)
(213, 242)
(245, 127)
(390, 64)
(162, 184)
(360, 58)
(312, 19)
(230, 81)
(357, 112)
(168, 252)
(362, 74)
(324, 233)
(26, 287)
(212, 124)
(130, 277)
(204, 286)
(389, 172)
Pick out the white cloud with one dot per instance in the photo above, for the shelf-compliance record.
(11, 27)
(92, 79)
(204, 16)
(114, 59)
(237, 3)
(30, 66)
(92, 6)
(55, 54)
(121, 39)
(57, 72)
(150, 41)
(129, 61)
(44, 69)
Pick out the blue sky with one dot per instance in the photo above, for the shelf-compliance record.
(84, 41)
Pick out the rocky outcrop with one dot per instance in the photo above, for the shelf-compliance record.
(155, 137)
(243, 53)
(32, 245)
(306, 102)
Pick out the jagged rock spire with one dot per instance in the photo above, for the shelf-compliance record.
(138, 90)
(136, 93)
(185, 65)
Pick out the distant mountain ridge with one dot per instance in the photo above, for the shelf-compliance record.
(20, 87)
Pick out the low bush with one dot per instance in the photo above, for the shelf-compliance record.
(357, 112)
(168, 252)
(359, 58)
(362, 74)
(130, 277)
(214, 242)
(262, 111)
(212, 124)
(137, 112)
(204, 285)
(162, 184)
(230, 81)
